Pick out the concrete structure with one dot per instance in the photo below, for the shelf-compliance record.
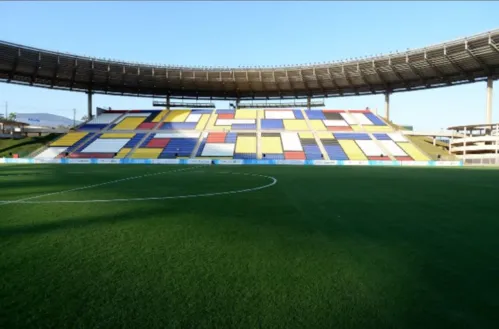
(476, 144)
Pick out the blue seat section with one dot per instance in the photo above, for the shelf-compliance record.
(270, 156)
(312, 152)
(178, 125)
(382, 137)
(87, 142)
(76, 145)
(249, 126)
(270, 124)
(298, 114)
(244, 156)
(201, 147)
(356, 136)
(374, 119)
(93, 126)
(335, 152)
(183, 147)
(136, 139)
(225, 112)
(231, 138)
(315, 115)
(194, 111)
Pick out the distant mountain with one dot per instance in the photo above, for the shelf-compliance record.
(45, 120)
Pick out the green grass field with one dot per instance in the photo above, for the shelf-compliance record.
(325, 247)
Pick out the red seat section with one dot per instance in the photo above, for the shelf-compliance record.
(147, 125)
(340, 128)
(334, 111)
(216, 137)
(91, 155)
(294, 155)
(226, 116)
(379, 158)
(158, 142)
(358, 111)
(404, 158)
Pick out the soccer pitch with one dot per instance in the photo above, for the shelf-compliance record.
(154, 246)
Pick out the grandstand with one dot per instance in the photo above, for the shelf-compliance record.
(270, 134)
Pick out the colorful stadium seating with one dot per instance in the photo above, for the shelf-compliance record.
(292, 134)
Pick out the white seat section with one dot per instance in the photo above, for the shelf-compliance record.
(279, 114)
(348, 118)
(106, 145)
(335, 123)
(218, 150)
(105, 118)
(291, 142)
(393, 148)
(370, 148)
(178, 135)
(128, 115)
(51, 153)
(397, 137)
(193, 118)
(361, 118)
(229, 122)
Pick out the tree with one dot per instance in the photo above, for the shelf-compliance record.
(84, 118)
(12, 116)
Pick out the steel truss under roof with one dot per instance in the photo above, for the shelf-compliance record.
(456, 62)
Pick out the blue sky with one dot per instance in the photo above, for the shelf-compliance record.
(251, 33)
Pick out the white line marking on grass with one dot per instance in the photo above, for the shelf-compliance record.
(26, 200)
(272, 183)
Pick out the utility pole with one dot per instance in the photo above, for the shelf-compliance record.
(6, 110)
(74, 118)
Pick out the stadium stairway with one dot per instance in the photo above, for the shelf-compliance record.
(295, 134)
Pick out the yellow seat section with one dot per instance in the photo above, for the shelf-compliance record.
(202, 121)
(317, 125)
(290, 124)
(130, 123)
(118, 135)
(322, 135)
(356, 128)
(246, 144)
(306, 135)
(122, 153)
(413, 152)
(146, 153)
(178, 116)
(160, 116)
(271, 145)
(69, 139)
(245, 114)
(352, 150)
(378, 128)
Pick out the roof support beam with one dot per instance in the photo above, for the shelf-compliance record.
(249, 85)
(319, 82)
(37, 67)
(333, 81)
(436, 69)
(493, 45)
(277, 84)
(480, 62)
(413, 70)
(364, 79)
(347, 76)
(397, 74)
(56, 71)
(263, 84)
(457, 67)
(73, 74)
(305, 83)
(15, 65)
(108, 73)
(138, 79)
(123, 76)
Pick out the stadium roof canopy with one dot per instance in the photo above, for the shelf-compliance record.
(461, 61)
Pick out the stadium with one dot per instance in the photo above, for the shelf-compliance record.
(271, 211)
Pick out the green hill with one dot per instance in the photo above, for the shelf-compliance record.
(24, 146)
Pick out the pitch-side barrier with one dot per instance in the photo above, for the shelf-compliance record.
(236, 162)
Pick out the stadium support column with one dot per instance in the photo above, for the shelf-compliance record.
(490, 85)
(89, 104)
(309, 102)
(387, 106)
(238, 100)
(167, 102)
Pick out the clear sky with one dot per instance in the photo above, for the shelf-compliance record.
(250, 33)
